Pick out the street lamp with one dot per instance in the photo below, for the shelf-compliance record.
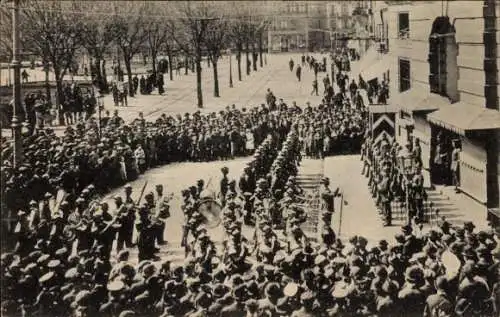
(100, 106)
(230, 68)
(16, 65)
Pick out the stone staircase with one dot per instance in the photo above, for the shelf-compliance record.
(309, 178)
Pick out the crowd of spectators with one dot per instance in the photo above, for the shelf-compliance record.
(279, 271)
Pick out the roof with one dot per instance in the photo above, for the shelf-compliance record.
(461, 117)
(430, 102)
(382, 109)
(414, 100)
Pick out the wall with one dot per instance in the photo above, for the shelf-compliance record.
(473, 169)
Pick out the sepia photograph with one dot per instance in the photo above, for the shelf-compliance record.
(249, 158)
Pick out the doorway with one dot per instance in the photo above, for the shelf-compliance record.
(441, 148)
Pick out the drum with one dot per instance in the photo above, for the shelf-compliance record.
(211, 210)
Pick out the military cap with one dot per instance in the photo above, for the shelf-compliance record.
(83, 253)
(127, 313)
(46, 278)
(80, 200)
(21, 213)
(82, 298)
(224, 169)
(33, 203)
(115, 286)
(128, 186)
(53, 264)
(32, 256)
(44, 259)
(71, 273)
(29, 268)
(291, 289)
(320, 260)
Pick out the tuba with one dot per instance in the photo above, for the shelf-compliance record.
(209, 208)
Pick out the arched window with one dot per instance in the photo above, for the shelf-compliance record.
(440, 40)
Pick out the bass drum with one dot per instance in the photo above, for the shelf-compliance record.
(211, 210)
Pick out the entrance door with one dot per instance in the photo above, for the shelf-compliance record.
(441, 148)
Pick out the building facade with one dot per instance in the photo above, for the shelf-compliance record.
(443, 58)
(315, 25)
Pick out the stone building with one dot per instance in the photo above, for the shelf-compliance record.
(444, 69)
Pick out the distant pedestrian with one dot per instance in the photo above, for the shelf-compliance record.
(315, 87)
(298, 72)
(25, 76)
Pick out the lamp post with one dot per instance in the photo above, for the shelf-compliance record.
(100, 106)
(16, 65)
(229, 53)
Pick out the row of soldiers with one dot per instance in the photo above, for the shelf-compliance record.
(389, 180)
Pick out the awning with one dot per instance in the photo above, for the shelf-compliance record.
(379, 66)
(419, 100)
(461, 117)
(429, 102)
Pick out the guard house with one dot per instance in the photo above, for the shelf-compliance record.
(446, 89)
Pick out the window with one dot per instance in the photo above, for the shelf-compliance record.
(404, 75)
(442, 33)
(283, 24)
(404, 25)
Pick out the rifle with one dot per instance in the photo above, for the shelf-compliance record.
(116, 217)
(142, 193)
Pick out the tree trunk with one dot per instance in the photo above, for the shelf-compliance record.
(260, 50)
(59, 94)
(127, 59)
(186, 65)
(169, 54)
(98, 73)
(216, 78)
(254, 58)
(153, 61)
(104, 76)
(198, 79)
(47, 86)
(238, 58)
(247, 52)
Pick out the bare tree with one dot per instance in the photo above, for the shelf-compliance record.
(156, 31)
(191, 32)
(214, 43)
(52, 35)
(130, 35)
(243, 17)
(97, 39)
(5, 34)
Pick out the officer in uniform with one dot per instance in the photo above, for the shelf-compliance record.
(224, 185)
(383, 190)
(126, 218)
